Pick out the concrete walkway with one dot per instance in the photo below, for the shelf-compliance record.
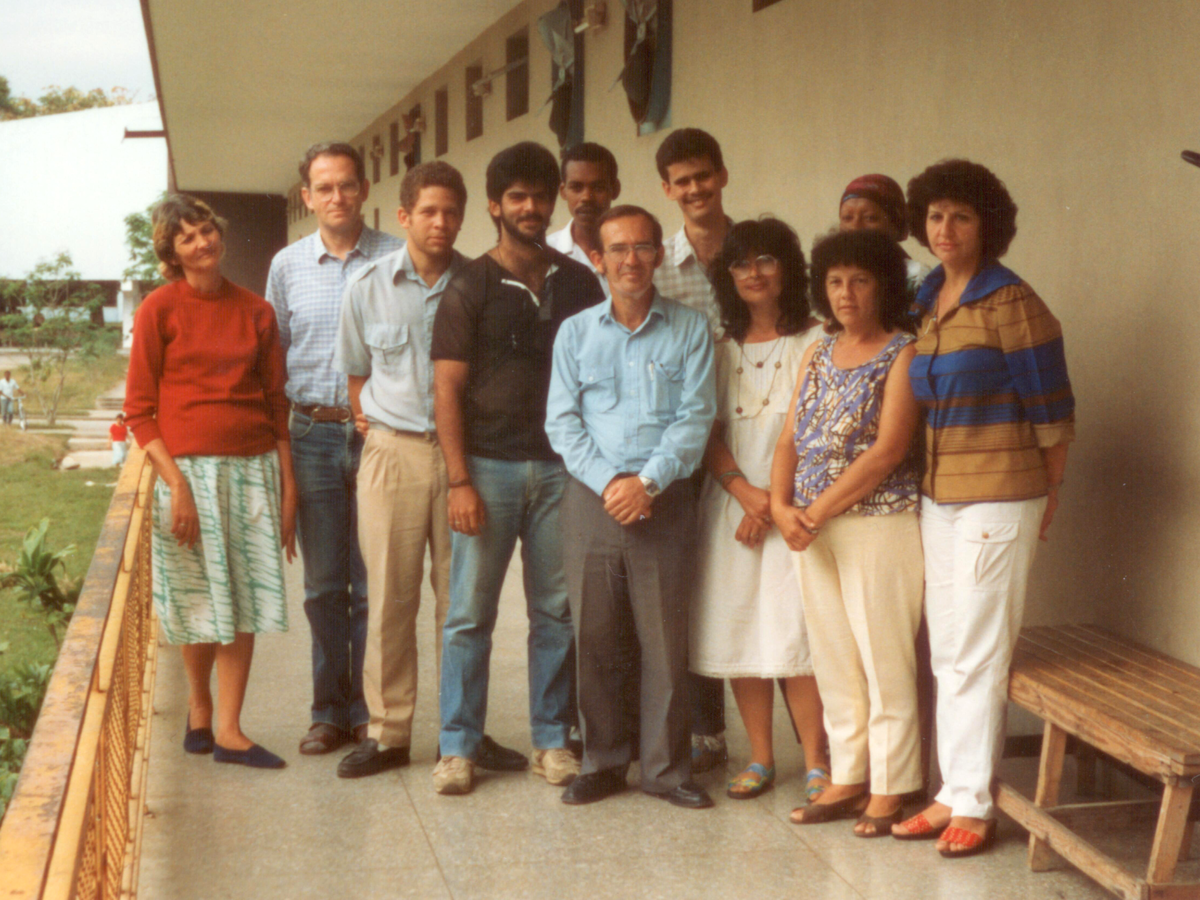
(217, 831)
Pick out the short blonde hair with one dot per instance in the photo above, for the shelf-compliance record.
(168, 218)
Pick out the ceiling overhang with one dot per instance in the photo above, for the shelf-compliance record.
(246, 87)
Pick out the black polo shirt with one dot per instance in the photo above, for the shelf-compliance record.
(490, 320)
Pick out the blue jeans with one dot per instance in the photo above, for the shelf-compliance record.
(6, 409)
(325, 455)
(521, 500)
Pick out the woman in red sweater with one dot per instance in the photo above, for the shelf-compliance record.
(204, 397)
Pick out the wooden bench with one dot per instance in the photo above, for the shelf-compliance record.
(1138, 706)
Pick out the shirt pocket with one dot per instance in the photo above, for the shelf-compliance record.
(597, 388)
(993, 544)
(666, 387)
(389, 345)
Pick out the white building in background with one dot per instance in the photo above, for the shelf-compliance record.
(69, 182)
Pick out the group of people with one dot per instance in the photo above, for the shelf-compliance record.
(707, 480)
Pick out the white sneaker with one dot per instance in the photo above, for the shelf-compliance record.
(558, 765)
(454, 775)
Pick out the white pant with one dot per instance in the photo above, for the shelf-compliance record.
(861, 585)
(977, 560)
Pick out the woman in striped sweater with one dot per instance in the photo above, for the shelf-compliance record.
(990, 373)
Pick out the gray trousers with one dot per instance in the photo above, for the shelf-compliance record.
(629, 590)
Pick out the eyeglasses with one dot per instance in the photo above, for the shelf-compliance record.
(349, 189)
(765, 265)
(644, 252)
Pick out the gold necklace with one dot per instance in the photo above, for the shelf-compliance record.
(758, 365)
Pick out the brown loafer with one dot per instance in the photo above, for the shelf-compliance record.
(322, 738)
(359, 734)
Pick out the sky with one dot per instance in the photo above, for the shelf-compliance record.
(84, 43)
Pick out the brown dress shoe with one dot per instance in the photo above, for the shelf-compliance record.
(359, 734)
(322, 738)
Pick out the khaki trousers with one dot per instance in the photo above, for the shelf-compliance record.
(402, 496)
(862, 582)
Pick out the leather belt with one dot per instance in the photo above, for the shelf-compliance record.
(340, 414)
(429, 437)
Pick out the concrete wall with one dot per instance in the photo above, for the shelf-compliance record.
(1081, 107)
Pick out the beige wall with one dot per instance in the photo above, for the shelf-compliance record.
(1081, 107)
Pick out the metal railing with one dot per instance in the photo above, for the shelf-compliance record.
(73, 828)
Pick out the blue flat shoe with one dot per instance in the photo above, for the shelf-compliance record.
(197, 740)
(256, 757)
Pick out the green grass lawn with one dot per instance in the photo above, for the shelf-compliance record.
(31, 489)
(87, 377)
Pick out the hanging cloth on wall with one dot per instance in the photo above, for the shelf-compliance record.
(558, 34)
(646, 76)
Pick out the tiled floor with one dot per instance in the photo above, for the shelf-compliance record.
(226, 832)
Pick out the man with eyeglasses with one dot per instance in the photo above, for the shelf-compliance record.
(693, 175)
(631, 404)
(306, 284)
(491, 349)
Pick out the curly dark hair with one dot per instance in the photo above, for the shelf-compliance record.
(749, 239)
(878, 254)
(973, 184)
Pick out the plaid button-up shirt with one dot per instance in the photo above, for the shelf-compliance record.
(305, 286)
(682, 278)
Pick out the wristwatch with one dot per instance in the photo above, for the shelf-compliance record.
(651, 486)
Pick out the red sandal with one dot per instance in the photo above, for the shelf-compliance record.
(918, 829)
(972, 843)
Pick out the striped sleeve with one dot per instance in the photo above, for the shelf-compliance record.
(1032, 343)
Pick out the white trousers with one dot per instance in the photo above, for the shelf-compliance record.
(861, 583)
(977, 561)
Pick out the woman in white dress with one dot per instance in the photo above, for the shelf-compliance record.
(747, 620)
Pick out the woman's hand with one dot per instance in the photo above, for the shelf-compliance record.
(185, 520)
(756, 502)
(1048, 515)
(751, 531)
(791, 522)
(287, 518)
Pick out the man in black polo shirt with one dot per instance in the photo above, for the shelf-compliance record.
(492, 339)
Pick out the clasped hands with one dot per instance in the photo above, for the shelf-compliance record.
(798, 528)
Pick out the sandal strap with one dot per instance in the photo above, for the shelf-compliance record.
(918, 824)
(962, 837)
(753, 775)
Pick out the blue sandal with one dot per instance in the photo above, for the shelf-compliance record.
(754, 780)
(812, 789)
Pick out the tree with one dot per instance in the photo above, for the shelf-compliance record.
(53, 324)
(58, 100)
(139, 238)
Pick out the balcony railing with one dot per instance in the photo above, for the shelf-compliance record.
(73, 828)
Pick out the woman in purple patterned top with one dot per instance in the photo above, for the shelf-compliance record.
(844, 495)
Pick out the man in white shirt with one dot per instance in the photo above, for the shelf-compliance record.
(9, 392)
(589, 187)
(693, 175)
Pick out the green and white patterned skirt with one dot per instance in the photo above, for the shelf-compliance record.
(232, 579)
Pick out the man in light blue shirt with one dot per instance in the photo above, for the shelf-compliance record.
(630, 408)
(383, 347)
(305, 286)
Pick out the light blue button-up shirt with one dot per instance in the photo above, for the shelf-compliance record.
(640, 401)
(385, 336)
(305, 286)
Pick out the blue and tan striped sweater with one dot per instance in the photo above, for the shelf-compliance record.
(992, 379)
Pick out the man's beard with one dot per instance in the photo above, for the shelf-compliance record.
(511, 229)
